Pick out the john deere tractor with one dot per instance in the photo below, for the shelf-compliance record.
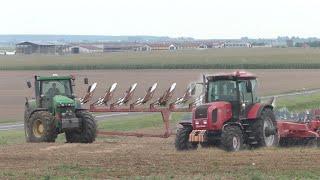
(55, 110)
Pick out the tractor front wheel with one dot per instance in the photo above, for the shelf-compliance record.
(232, 138)
(182, 139)
(40, 127)
(87, 132)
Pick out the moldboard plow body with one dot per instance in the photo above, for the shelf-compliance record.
(162, 105)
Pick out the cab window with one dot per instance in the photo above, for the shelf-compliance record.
(57, 87)
(245, 96)
(222, 90)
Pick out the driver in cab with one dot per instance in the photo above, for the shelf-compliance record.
(53, 90)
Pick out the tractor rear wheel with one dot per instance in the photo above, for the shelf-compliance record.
(265, 129)
(87, 132)
(40, 127)
(182, 139)
(232, 138)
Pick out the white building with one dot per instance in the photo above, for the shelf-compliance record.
(237, 45)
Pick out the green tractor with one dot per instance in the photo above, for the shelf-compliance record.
(55, 110)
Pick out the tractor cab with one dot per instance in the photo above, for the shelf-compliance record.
(54, 91)
(238, 89)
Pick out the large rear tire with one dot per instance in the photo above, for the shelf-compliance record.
(87, 132)
(40, 127)
(232, 138)
(263, 126)
(182, 139)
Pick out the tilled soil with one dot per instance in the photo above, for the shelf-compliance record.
(13, 83)
(131, 157)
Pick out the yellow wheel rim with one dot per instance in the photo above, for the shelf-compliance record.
(38, 128)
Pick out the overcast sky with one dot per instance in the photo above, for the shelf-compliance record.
(174, 18)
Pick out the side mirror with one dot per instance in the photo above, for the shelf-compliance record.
(86, 81)
(249, 87)
(29, 84)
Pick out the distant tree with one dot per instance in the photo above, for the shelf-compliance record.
(298, 44)
(314, 44)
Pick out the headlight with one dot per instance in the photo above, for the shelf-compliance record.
(65, 105)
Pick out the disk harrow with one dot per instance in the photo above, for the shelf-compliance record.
(300, 130)
(164, 105)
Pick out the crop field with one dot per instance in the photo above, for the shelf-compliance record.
(244, 58)
(13, 84)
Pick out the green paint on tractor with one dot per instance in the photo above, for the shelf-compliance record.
(54, 110)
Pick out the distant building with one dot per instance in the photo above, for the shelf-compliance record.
(162, 46)
(40, 48)
(144, 48)
(280, 44)
(119, 47)
(217, 45)
(187, 45)
(290, 43)
(203, 46)
(77, 49)
(10, 53)
(237, 45)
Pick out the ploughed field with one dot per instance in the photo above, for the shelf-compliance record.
(13, 83)
(154, 158)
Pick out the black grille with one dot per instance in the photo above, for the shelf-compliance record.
(214, 116)
(201, 112)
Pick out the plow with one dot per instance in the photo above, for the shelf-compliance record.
(160, 105)
(227, 113)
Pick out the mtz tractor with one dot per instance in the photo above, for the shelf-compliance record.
(55, 110)
(231, 116)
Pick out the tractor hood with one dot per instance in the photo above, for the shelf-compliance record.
(59, 100)
(211, 116)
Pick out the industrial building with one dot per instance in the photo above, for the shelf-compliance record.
(28, 47)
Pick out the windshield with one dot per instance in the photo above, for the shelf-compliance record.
(56, 87)
(222, 90)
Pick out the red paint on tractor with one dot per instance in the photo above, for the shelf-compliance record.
(253, 112)
(224, 113)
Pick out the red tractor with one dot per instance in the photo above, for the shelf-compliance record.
(231, 116)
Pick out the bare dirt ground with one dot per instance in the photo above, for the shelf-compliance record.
(153, 157)
(13, 83)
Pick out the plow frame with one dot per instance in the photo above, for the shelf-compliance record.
(165, 112)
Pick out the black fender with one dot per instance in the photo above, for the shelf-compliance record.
(185, 123)
(232, 124)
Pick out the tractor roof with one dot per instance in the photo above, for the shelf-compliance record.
(53, 77)
(235, 75)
